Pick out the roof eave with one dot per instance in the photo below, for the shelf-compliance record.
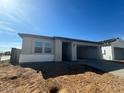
(34, 36)
(70, 39)
(20, 34)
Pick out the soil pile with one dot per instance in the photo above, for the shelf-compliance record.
(14, 79)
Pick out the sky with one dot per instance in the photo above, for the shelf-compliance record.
(93, 20)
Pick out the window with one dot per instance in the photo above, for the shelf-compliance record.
(104, 52)
(38, 47)
(48, 48)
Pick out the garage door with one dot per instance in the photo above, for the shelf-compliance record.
(87, 52)
(118, 53)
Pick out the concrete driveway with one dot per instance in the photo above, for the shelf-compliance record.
(107, 66)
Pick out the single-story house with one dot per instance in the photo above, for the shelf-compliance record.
(113, 49)
(37, 48)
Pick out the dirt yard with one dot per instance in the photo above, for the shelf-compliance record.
(14, 79)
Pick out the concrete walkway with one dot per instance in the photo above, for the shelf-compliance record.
(107, 66)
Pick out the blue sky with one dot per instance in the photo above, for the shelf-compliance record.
(82, 19)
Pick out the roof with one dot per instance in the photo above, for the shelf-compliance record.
(78, 40)
(35, 36)
(109, 41)
(56, 37)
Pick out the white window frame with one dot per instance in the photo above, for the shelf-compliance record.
(39, 47)
(51, 47)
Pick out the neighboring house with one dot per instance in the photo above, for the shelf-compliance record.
(36, 48)
(113, 49)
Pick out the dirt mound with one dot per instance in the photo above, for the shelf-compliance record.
(20, 80)
(90, 82)
(14, 79)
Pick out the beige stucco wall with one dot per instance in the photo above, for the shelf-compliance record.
(58, 50)
(74, 52)
(86, 44)
(28, 44)
(36, 58)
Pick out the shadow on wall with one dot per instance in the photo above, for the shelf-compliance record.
(54, 69)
